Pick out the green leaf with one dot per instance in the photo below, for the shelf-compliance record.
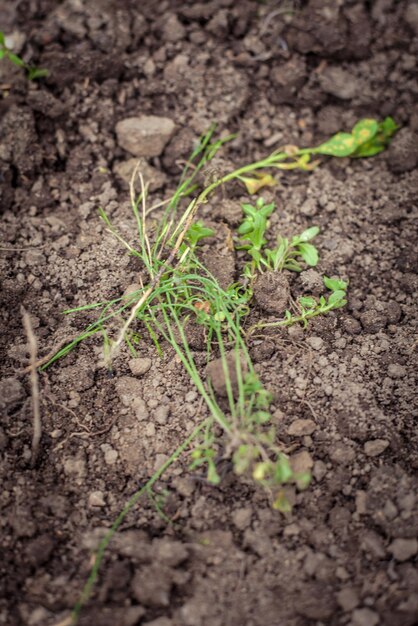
(282, 504)
(308, 234)
(303, 480)
(307, 301)
(2, 39)
(335, 284)
(282, 471)
(15, 59)
(37, 72)
(309, 254)
(213, 476)
(340, 145)
(336, 296)
(2, 54)
(364, 131)
(292, 265)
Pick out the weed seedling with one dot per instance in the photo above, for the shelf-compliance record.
(32, 72)
(180, 290)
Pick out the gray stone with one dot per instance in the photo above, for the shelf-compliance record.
(348, 599)
(161, 414)
(96, 499)
(315, 342)
(375, 447)
(171, 553)
(364, 617)
(241, 518)
(151, 175)
(342, 454)
(140, 366)
(373, 321)
(173, 29)
(151, 586)
(216, 375)
(395, 370)
(339, 83)
(319, 470)
(403, 549)
(298, 428)
(11, 391)
(411, 15)
(301, 462)
(402, 155)
(144, 136)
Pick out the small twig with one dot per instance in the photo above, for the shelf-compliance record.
(36, 411)
(48, 356)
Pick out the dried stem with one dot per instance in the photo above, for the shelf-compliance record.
(34, 381)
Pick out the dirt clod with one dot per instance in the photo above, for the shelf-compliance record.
(271, 291)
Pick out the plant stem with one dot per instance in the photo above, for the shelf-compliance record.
(85, 594)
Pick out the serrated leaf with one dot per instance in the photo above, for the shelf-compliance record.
(309, 254)
(335, 284)
(307, 301)
(336, 296)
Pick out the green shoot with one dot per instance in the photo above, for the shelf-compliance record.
(309, 307)
(31, 71)
(284, 256)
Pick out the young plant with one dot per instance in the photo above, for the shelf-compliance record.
(180, 290)
(285, 255)
(309, 307)
(31, 71)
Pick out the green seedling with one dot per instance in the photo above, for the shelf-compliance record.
(196, 233)
(180, 290)
(309, 307)
(31, 71)
(285, 256)
(253, 228)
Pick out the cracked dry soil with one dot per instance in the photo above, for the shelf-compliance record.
(344, 389)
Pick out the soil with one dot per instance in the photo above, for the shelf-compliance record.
(344, 389)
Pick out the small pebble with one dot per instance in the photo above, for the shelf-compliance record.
(298, 428)
(348, 599)
(161, 414)
(375, 447)
(364, 617)
(110, 455)
(140, 366)
(316, 343)
(340, 453)
(96, 499)
(242, 518)
(396, 371)
(403, 549)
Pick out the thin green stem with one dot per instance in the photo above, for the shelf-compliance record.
(86, 592)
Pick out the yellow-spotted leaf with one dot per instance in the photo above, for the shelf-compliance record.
(340, 145)
(364, 131)
(254, 185)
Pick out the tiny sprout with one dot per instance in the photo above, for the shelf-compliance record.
(6, 53)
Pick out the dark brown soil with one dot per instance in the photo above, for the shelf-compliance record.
(344, 390)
